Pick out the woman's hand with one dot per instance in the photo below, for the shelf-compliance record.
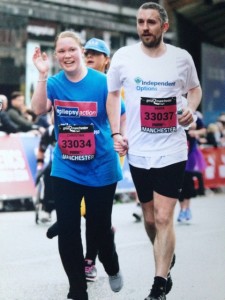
(120, 145)
(41, 61)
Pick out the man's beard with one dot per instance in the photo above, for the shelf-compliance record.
(152, 44)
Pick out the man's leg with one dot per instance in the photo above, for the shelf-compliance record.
(149, 220)
(164, 244)
(157, 223)
(158, 220)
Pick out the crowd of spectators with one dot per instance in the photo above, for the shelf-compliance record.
(18, 118)
(216, 132)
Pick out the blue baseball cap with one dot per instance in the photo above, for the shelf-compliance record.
(97, 45)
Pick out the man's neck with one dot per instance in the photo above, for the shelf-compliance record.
(154, 51)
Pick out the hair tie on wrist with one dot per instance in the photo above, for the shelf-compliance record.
(115, 134)
(40, 160)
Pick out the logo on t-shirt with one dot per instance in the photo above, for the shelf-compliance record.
(75, 109)
(150, 85)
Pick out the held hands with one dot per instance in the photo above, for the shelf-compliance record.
(41, 61)
(120, 145)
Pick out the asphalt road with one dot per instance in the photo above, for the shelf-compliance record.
(30, 268)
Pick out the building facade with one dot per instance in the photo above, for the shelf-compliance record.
(28, 23)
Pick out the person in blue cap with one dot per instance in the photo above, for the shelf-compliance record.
(97, 55)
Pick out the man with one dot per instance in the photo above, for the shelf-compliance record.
(154, 75)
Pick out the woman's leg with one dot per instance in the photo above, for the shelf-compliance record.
(68, 197)
(99, 202)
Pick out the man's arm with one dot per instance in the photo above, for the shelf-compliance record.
(194, 97)
(193, 100)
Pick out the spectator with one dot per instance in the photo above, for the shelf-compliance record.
(221, 125)
(43, 171)
(213, 135)
(21, 116)
(6, 124)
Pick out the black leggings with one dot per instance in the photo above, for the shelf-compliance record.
(99, 201)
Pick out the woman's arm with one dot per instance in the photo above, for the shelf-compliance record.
(39, 102)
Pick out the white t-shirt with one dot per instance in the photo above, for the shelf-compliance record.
(152, 129)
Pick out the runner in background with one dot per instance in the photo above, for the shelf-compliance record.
(195, 167)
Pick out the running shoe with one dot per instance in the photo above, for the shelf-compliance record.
(157, 291)
(188, 214)
(116, 282)
(169, 283)
(137, 214)
(181, 216)
(90, 270)
(161, 297)
(45, 218)
(52, 231)
(156, 294)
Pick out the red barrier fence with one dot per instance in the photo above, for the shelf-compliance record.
(214, 175)
(17, 166)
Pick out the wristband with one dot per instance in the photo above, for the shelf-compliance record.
(112, 135)
(40, 160)
(42, 80)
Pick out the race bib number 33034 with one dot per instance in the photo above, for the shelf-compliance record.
(77, 141)
(158, 115)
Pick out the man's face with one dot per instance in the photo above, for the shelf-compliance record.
(150, 28)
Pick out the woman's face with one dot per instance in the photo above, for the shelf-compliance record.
(96, 60)
(69, 54)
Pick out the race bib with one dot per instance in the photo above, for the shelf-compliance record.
(77, 142)
(158, 115)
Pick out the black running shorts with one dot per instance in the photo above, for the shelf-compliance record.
(166, 181)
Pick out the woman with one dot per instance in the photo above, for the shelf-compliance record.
(84, 163)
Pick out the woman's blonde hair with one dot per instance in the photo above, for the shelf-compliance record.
(70, 34)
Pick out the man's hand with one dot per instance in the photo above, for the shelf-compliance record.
(186, 117)
(120, 144)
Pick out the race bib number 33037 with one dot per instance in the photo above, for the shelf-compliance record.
(158, 115)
